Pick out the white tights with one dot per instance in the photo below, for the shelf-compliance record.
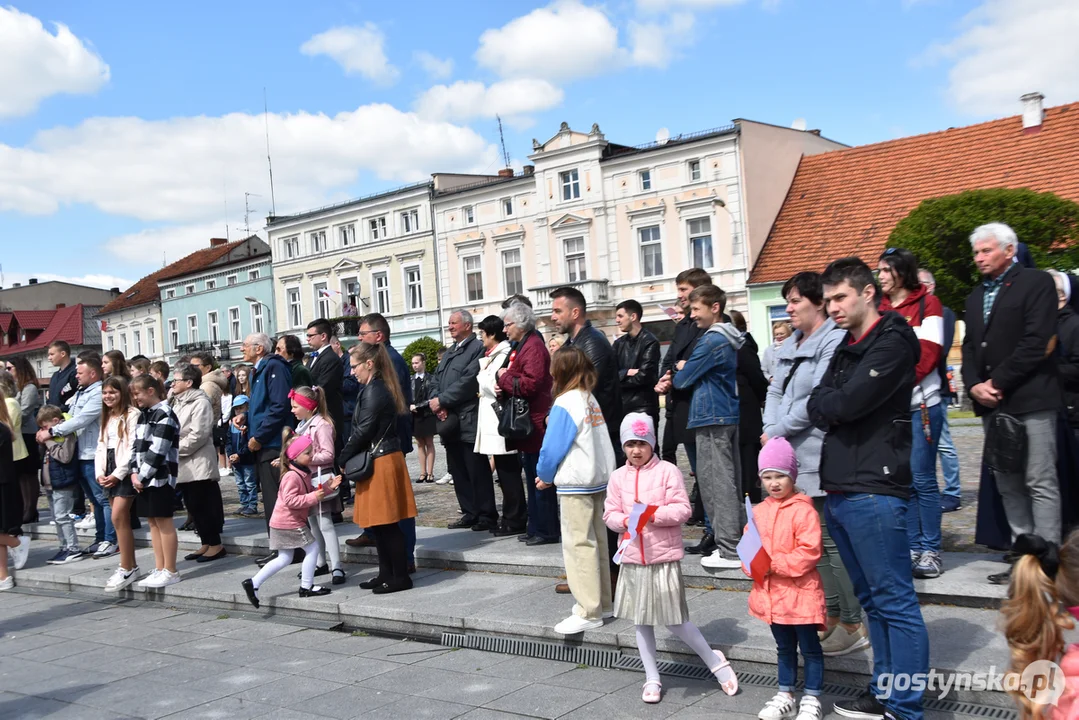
(689, 634)
(283, 560)
(325, 533)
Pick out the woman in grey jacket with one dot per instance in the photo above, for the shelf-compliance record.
(798, 365)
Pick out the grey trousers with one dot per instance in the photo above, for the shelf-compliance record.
(719, 478)
(1032, 499)
(63, 502)
(839, 595)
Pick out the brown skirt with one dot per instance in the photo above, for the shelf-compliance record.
(387, 497)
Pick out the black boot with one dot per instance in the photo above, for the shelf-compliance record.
(704, 547)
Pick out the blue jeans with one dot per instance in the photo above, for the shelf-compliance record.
(247, 486)
(923, 518)
(103, 529)
(870, 533)
(788, 638)
(949, 459)
(542, 504)
(408, 527)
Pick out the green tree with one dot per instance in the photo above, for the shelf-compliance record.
(938, 233)
(429, 347)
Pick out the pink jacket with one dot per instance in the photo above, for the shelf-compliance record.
(1067, 707)
(656, 483)
(791, 593)
(295, 498)
(322, 443)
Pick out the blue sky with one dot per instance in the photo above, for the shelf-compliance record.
(123, 136)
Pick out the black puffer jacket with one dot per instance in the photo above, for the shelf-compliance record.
(373, 423)
(608, 392)
(1068, 361)
(642, 353)
(863, 406)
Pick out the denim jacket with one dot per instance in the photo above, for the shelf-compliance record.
(711, 372)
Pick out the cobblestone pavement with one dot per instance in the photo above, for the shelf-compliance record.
(68, 659)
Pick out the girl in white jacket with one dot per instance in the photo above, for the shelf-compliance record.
(118, 420)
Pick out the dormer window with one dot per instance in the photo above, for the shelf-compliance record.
(571, 186)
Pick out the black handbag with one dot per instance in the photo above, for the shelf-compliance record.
(515, 420)
(360, 467)
(450, 428)
(1005, 449)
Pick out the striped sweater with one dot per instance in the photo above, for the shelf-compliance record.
(925, 315)
(155, 454)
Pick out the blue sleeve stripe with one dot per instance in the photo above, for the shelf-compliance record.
(557, 441)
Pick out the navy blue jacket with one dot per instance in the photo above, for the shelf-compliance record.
(62, 386)
(269, 410)
(238, 446)
(404, 377)
(350, 388)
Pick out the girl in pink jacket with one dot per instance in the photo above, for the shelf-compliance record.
(288, 524)
(790, 598)
(650, 588)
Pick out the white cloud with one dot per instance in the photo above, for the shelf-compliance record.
(156, 247)
(435, 67)
(35, 64)
(562, 41)
(655, 44)
(356, 49)
(93, 280)
(1011, 47)
(174, 171)
(466, 100)
(659, 5)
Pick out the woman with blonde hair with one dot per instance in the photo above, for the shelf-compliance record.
(11, 536)
(385, 497)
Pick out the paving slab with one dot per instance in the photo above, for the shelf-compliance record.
(544, 701)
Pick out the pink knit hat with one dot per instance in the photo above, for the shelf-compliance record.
(778, 455)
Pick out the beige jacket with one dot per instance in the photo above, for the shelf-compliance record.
(198, 458)
(214, 385)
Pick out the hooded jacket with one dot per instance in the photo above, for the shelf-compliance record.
(655, 483)
(640, 353)
(711, 371)
(198, 458)
(791, 593)
(269, 410)
(925, 315)
(214, 384)
(863, 406)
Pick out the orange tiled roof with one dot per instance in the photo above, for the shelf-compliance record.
(847, 202)
(145, 290)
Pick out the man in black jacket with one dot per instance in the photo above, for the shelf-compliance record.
(326, 372)
(637, 352)
(863, 405)
(1009, 364)
(455, 393)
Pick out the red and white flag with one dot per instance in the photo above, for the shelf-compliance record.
(328, 293)
(755, 561)
(638, 518)
(104, 326)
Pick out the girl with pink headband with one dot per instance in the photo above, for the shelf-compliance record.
(288, 524)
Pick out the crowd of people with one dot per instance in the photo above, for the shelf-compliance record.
(834, 438)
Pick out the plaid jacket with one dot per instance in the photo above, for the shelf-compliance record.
(155, 454)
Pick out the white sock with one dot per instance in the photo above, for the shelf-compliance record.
(646, 646)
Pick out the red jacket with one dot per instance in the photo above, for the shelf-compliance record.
(791, 593)
(530, 364)
(929, 329)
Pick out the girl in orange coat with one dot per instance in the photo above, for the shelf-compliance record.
(790, 598)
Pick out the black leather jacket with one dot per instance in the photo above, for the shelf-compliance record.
(607, 391)
(374, 422)
(642, 353)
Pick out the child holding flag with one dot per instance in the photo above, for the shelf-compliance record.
(787, 592)
(646, 498)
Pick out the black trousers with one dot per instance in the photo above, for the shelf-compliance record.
(269, 479)
(472, 482)
(203, 501)
(392, 552)
(514, 505)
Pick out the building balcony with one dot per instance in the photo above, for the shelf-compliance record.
(596, 294)
(219, 350)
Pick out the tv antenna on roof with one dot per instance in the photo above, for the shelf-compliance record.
(269, 163)
(662, 136)
(247, 212)
(502, 139)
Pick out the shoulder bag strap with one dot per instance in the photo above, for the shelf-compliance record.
(790, 375)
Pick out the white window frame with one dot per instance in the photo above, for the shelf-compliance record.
(110, 343)
(290, 247)
(236, 330)
(644, 178)
(410, 221)
(570, 182)
(377, 228)
(316, 239)
(466, 272)
(409, 286)
(656, 241)
(230, 280)
(258, 321)
(253, 275)
(189, 289)
(174, 333)
(322, 304)
(213, 326)
(469, 213)
(211, 284)
(347, 234)
(519, 265)
(170, 293)
(192, 337)
(582, 256)
(295, 320)
(378, 293)
(694, 167)
(136, 341)
(151, 345)
(345, 295)
(507, 207)
(690, 237)
(123, 344)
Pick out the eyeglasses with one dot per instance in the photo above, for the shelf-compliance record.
(313, 334)
(361, 333)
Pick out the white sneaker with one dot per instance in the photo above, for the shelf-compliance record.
(121, 579)
(780, 707)
(444, 479)
(20, 552)
(7, 583)
(575, 624)
(162, 578)
(810, 709)
(146, 580)
(225, 472)
(716, 561)
(105, 549)
(87, 523)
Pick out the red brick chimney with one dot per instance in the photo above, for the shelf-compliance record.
(218, 242)
(505, 172)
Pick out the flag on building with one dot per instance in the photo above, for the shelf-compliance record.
(328, 293)
(104, 326)
(755, 561)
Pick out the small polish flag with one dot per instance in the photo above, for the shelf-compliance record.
(755, 561)
(328, 293)
(638, 518)
(104, 326)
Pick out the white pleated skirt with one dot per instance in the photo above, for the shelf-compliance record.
(651, 594)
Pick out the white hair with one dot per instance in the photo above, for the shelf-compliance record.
(932, 280)
(1000, 232)
(465, 315)
(1064, 286)
(521, 315)
(261, 340)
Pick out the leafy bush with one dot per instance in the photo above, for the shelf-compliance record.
(429, 346)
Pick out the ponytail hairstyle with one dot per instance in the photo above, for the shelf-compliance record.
(318, 396)
(119, 364)
(1044, 584)
(572, 370)
(383, 369)
(119, 384)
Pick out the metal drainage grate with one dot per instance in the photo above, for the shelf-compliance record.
(533, 648)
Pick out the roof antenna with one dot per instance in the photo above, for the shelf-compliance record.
(269, 164)
(225, 194)
(502, 139)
